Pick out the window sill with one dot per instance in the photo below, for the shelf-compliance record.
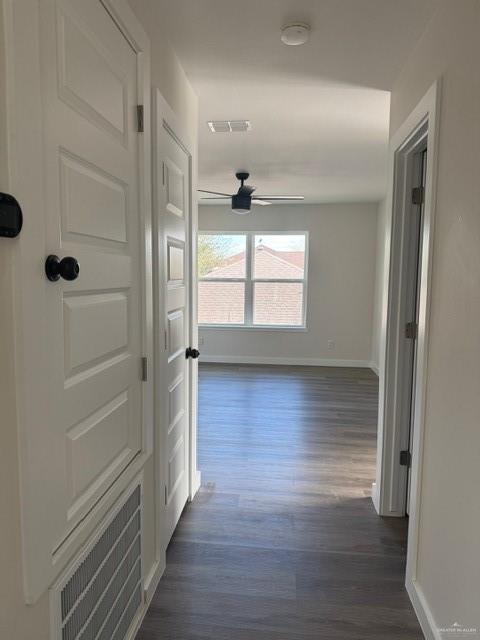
(242, 327)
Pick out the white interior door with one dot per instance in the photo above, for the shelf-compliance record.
(413, 301)
(173, 326)
(82, 338)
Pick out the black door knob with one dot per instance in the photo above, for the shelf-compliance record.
(67, 268)
(192, 353)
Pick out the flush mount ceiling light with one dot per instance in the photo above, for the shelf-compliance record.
(295, 33)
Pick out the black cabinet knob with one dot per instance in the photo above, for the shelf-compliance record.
(192, 353)
(67, 268)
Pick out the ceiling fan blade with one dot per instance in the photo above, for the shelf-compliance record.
(246, 190)
(215, 193)
(262, 202)
(281, 197)
(216, 198)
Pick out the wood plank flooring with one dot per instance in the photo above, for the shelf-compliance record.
(282, 541)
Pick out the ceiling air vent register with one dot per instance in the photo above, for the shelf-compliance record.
(229, 126)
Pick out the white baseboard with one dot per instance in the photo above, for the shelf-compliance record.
(136, 624)
(152, 580)
(375, 497)
(374, 368)
(423, 611)
(312, 362)
(149, 588)
(196, 484)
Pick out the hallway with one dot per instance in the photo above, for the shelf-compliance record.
(282, 541)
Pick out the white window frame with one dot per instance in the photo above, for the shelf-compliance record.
(249, 282)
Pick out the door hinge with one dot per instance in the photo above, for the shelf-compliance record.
(405, 458)
(418, 195)
(144, 367)
(411, 330)
(166, 495)
(165, 339)
(140, 119)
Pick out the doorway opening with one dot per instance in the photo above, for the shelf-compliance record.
(403, 367)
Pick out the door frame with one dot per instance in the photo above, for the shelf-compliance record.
(398, 382)
(163, 115)
(132, 30)
(388, 495)
(24, 143)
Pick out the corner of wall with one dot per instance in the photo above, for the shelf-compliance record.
(379, 282)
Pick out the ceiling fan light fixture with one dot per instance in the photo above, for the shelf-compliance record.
(241, 204)
(295, 34)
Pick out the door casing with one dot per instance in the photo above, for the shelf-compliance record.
(388, 492)
(398, 375)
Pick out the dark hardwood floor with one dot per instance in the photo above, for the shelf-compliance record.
(282, 541)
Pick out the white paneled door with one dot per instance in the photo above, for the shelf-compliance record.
(173, 325)
(82, 395)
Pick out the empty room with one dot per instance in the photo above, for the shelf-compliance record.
(239, 353)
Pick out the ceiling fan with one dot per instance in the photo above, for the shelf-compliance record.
(243, 200)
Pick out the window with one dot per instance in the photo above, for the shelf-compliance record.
(252, 280)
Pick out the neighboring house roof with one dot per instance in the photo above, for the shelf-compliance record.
(275, 303)
(268, 264)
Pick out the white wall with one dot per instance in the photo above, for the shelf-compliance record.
(379, 280)
(448, 572)
(341, 275)
(16, 620)
(167, 72)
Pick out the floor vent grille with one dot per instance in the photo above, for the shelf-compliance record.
(102, 594)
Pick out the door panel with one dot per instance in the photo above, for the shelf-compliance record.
(173, 253)
(176, 472)
(86, 189)
(96, 443)
(91, 427)
(174, 182)
(176, 395)
(176, 334)
(102, 93)
(176, 263)
(95, 329)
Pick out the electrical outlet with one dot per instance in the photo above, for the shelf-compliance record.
(200, 341)
(331, 345)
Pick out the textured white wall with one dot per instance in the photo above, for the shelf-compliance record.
(343, 244)
(448, 571)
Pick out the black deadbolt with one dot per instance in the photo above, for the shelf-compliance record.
(192, 353)
(67, 268)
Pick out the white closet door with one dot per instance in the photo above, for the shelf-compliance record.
(173, 245)
(81, 398)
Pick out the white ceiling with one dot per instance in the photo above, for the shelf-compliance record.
(319, 112)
